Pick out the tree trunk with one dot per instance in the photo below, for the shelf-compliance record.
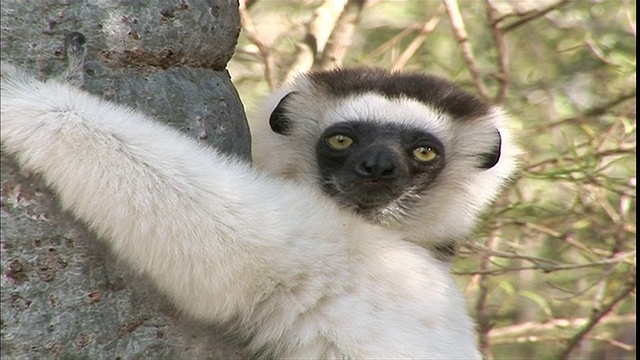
(63, 293)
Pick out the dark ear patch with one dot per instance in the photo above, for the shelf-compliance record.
(279, 121)
(490, 159)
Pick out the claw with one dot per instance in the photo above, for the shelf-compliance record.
(74, 45)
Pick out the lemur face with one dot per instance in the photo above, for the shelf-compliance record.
(409, 152)
(370, 166)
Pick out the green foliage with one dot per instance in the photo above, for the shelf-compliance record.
(551, 271)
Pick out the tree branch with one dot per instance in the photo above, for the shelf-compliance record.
(498, 37)
(340, 39)
(482, 315)
(318, 32)
(533, 15)
(264, 50)
(597, 315)
(545, 265)
(534, 331)
(394, 41)
(427, 28)
(595, 111)
(467, 52)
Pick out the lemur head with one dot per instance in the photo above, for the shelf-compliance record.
(407, 151)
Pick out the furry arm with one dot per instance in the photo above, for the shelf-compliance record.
(279, 263)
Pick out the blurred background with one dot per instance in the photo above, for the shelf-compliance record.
(551, 270)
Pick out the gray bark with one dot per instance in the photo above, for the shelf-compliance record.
(63, 293)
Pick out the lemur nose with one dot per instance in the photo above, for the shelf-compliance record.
(378, 165)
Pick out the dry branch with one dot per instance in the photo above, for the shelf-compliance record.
(425, 29)
(340, 39)
(540, 331)
(529, 16)
(595, 111)
(318, 32)
(394, 41)
(467, 52)
(498, 38)
(597, 315)
(539, 264)
(265, 52)
(483, 316)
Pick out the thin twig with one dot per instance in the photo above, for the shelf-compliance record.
(631, 149)
(394, 41)
(482, 315)
(614, 342)
(595, 111)
(498, 37)
(427, 28)
(631, 16)
(529, 331)
(517, 14)
(534, 15)
(598, 301)
(598, 314)
(598, 53)
(467, 53)
(265, 52)
(545, 268)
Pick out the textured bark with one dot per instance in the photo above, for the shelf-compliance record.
(63, 294)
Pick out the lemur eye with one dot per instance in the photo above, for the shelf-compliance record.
(339, 142)
(424, 153)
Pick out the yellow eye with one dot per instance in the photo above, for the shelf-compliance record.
(424, 153)
(339, 142)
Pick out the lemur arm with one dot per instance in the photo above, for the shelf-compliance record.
(201, 225)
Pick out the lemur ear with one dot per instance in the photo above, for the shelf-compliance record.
(279, 121)
(490, 159)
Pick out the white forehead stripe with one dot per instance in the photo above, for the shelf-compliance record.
(405, 111)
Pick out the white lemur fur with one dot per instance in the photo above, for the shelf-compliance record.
(449, 207)
(263, 250)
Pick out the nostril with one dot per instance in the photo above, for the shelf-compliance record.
(365, 169)
(388, 172)
(380, 168)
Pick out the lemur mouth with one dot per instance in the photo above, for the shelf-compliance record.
(364, 196)
(370, 195)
